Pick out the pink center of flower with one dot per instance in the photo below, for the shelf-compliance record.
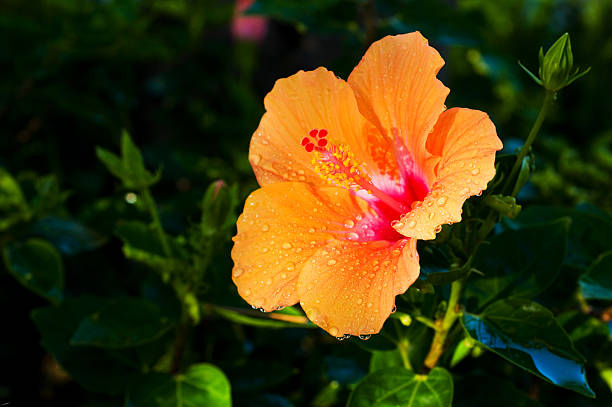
(390, 198)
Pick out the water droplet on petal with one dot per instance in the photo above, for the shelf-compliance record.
(397, 224)
(333, 331)
(412, 224)
(475, 171)
(255, 159)
(286, 245)
(237, 272)
(364, 337)
(353, 236)
(349, 223)
(331, 262)
(441, 201)
(265, 228)
(438, 228)
(394, 309)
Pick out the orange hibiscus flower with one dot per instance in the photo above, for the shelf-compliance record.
(352, 174)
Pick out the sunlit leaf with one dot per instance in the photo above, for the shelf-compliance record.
(201, 385)
(526, 334)
(13, 206)
(401, 387)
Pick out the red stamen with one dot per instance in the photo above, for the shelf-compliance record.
(313, 133)
(309, 147)
(322, 133)
(305, 141)
(322, 142)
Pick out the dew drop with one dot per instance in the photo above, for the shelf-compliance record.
(331, 262)
(431, 215)
(237, 272)
(364, 337)
(438, 228)
(311, 230)
(353, 236)
(265, 228)
(475, 171)
(397, 224)
(394, 309)
(286, 245)
(359, 301)
(412, 224)
(349, 224)
(333, 331)
(255, 159)
(441, 201)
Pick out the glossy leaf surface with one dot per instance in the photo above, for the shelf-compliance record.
(596, 283)
(526, 334)
(201, 385)
(402, 387)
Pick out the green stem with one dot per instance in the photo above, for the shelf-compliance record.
(152, 208)
(445, 324)
(546, 105)
(492, 218)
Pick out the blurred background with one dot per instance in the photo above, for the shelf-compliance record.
(187, 79)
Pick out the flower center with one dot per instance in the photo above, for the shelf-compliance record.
(337, 165)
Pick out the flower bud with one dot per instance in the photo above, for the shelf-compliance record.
(218, 206)
(557, 66)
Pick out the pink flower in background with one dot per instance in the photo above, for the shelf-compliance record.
(248, 28)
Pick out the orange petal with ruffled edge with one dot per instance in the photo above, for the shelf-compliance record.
(295, 106)
(282, 226)
(466, 142)
(396, 89)
(349, 288)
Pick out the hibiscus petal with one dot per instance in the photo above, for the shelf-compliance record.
(466, 142)
(350, 287)
(295, 106)
(282, 226)
(396, 89)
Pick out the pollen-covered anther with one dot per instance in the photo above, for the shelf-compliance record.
(338, 166)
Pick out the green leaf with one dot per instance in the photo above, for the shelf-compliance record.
(201, 385)
(264, 321)
(69, 236)
(527, 334)
(435, 266)
(93, 368)
(462, 350)
(129, 168)
(590, 232)
(13, 206)
(521, 263)
(124, 322)
(37, 265)
(141, 243)
(383, 359)
(401, 387)
(111, 161)
(596, 283)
